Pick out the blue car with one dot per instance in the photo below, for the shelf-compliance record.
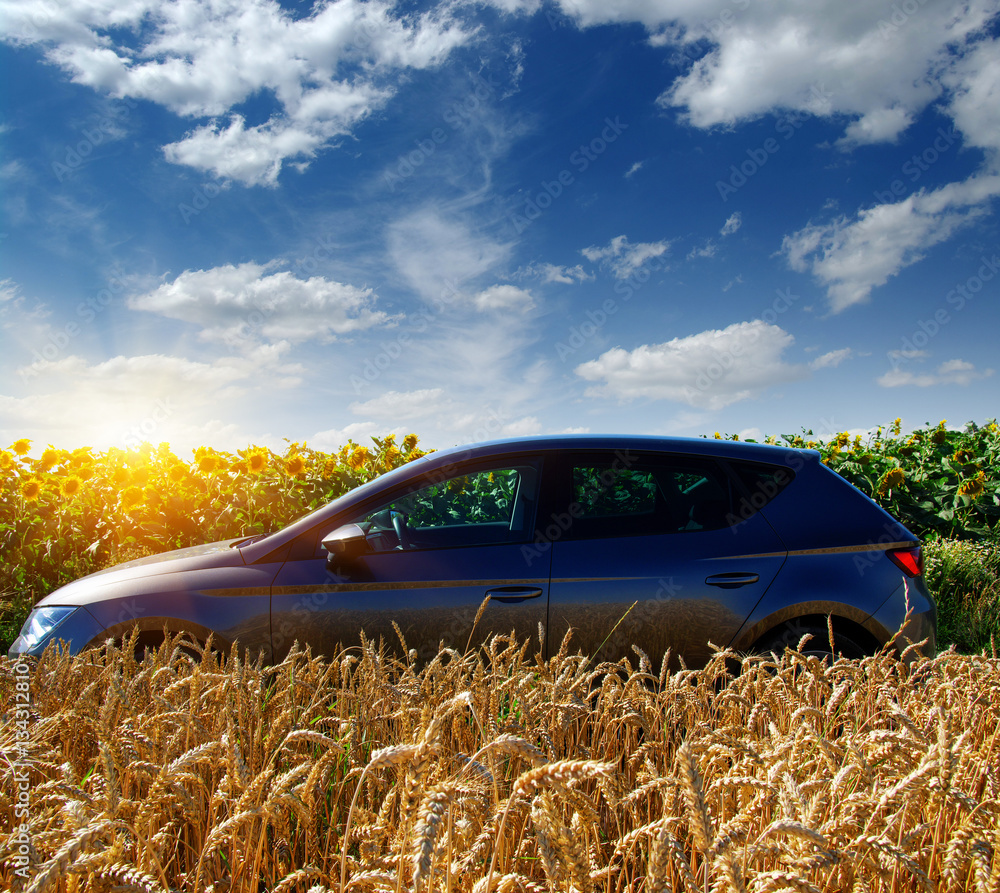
(663, 543)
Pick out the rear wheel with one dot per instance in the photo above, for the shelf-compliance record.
(818, 644)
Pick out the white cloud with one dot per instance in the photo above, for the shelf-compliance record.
(634, 169)
(974, 80)
(9, 291)
(624, 258)
(246, 304)
(326, 70)
(709, 370)
(732, 224)
(707, 250)
(504, 297)
(956, 372)
(360, 432)
(851, 257)
(405, 405)
(882, 125)
(820, 58)
(439, 253)
(872, 66)
(832, 359)
(560, 274)
(127, 399)
(907, 354)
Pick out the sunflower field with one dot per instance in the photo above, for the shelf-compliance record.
(69, 513)
(66, 513)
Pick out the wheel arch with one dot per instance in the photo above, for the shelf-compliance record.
(794, 621)
(152, 631)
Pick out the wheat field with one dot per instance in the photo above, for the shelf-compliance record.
(500, 770)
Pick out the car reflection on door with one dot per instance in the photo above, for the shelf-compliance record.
(652, 558)
(420, 565)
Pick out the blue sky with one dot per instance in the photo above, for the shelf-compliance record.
(235, 221)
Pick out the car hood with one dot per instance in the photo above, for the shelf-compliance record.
(210, 555)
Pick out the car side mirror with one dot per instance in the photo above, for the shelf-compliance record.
(346, 543)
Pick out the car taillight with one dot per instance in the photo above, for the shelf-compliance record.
(909, 560)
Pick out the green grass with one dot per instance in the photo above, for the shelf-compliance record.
(964, 577)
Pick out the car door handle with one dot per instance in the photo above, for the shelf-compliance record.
(513, 594)
(731, 581)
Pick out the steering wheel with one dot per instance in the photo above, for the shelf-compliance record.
(399, 525)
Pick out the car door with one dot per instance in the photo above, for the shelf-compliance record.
(425, 557)
(655, 556)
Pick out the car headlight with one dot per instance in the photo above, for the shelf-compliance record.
(42, 621)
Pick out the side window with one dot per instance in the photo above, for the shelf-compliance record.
(761, 483)
(478, 507)
(608, 492)
(656, 496)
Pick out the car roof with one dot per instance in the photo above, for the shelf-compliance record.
(446, 458)
(775, 453)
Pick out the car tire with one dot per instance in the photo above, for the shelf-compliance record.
(818, 645)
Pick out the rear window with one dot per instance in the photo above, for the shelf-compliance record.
(648, 497)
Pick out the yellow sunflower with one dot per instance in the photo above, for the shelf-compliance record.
(410, 441)
(295, 465)
(256, 461)
(894, 477)
(85, 473)
(358, 458)
(31, 490)
(131, 497)
(22, 447)
(208, 462)
(6, 460)
(972, 487)
(70, 486)
(178, 472)
(963, 456)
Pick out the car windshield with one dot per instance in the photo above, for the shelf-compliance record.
(307, 519)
